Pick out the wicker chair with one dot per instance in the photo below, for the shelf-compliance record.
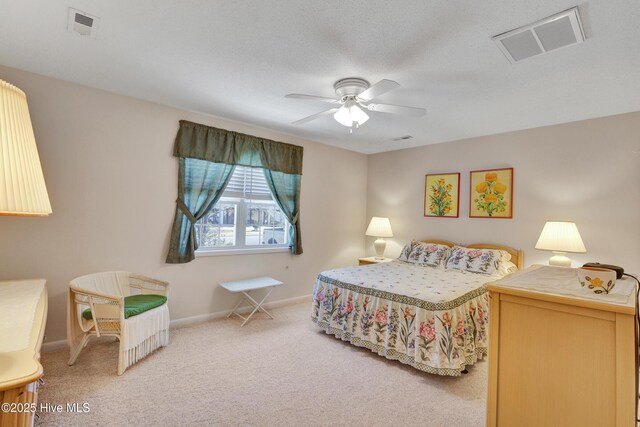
(102, 295)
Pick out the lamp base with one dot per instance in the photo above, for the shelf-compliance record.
(379, 246)
(560, 260)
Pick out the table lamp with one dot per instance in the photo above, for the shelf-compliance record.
(560, 237)
(22, 188)
(379, 227)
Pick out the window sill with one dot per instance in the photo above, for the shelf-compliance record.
(246, 251)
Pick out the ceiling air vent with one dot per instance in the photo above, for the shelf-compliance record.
(82, 23)
(402, 138)
(557, 31)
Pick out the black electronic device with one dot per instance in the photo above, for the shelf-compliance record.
(619, 270)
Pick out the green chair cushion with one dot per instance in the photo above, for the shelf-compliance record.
(135, 304)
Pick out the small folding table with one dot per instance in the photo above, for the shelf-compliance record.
(246, 286)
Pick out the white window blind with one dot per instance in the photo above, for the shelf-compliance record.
(245, 217)
(248, 183)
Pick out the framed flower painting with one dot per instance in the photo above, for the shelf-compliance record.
(491, 194)
(442, 195)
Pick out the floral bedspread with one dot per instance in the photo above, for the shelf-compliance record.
(433, 319)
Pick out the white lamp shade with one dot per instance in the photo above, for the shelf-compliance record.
(379, 227)
(343, 117)
(560, 236)
(22, 187)
(349, 114)
(358, 115)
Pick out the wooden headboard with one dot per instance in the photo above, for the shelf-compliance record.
(439, 242)
(517, 256)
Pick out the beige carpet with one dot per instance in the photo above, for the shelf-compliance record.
(271, 372)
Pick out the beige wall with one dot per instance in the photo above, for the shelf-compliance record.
(112, 182)
(587, 172)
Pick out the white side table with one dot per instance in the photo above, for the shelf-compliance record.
(246, 286)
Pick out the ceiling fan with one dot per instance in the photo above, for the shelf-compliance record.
(355, 96)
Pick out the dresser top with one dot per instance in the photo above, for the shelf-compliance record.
(560, 284)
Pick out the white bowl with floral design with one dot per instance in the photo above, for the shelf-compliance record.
(596, 280)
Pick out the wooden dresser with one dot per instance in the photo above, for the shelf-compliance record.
(557, 359)
(20, 370)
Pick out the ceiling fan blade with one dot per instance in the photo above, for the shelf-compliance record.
(397, 109)
(315, 116)
(383, 86)
(312, 98)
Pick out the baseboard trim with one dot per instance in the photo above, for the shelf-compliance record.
(178, 323)
(53, 345)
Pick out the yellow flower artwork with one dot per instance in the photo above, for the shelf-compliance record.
(491, 194)
(442, 195)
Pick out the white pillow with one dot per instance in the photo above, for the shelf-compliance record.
(507, 267)
(430, 254)
(406, 251)
(483, 261)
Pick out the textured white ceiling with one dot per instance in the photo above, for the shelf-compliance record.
(237, 59)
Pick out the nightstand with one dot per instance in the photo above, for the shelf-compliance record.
(372, 260)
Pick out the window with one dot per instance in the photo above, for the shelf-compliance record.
(246, 216)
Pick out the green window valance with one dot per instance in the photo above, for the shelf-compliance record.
(215, 145)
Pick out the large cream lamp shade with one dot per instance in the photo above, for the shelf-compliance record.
(22, 187)
(560, 237)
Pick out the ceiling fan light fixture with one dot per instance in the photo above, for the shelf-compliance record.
(354, 98)
(350, 114)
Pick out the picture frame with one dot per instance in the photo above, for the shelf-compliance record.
(491, 193)
(442, 195)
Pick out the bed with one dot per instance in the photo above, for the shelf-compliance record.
(432, 318)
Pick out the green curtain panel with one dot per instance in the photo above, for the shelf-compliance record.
(285, 188)
(200, 185)
(208, 156)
